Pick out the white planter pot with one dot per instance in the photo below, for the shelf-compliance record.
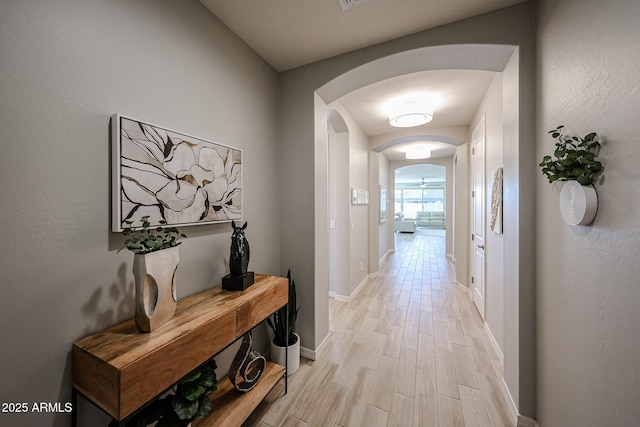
(155, 292)
(278, 355)
(578, 203)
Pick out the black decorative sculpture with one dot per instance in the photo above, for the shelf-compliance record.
(239, 277)
(239, 261)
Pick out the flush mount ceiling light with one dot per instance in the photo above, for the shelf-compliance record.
(411, 114)
(418, 153)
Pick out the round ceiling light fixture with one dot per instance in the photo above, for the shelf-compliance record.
(411, 114)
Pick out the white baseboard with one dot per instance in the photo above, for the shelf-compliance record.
(341, 298)
(389, 252)
(513, 409)
(344, 298)
(466, 289)
(526, 422)
(494, 343)
(361, 285)
(338, 297)
(311, 354)
(308, 353)
(523, 421)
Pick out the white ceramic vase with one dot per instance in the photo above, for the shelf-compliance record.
(278, 355)
(578, 203)
(155, 292)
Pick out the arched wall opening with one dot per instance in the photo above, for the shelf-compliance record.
(519, 369)
(339, 244)
(445, 164)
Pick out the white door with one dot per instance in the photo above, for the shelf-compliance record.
(478, 227)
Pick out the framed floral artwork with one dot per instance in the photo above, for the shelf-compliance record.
(172, 176)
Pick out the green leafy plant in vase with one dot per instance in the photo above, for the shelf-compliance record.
(154, 269)
(574, 158)
(145, 239)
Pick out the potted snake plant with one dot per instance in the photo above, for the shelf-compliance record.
(285, 339)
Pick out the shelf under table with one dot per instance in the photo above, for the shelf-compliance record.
(232, 407)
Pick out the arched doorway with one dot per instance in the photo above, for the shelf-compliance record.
(422, 193)
(339, 244)
(501, 58)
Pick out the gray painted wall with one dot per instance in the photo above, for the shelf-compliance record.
(303, 143)
(461, 231)
(359, 214)
(491, 109)
(66, 67)
(588, 277)
(349, 241)
(339, 197)
(386, 229)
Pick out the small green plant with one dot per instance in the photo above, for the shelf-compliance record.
(144, 240)
(279, 323)
(190, 400)
(573, 159)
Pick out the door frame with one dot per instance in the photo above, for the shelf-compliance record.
(478, 214)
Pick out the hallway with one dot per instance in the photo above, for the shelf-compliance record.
(409, 350)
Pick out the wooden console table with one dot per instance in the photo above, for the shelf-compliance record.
(121, 370)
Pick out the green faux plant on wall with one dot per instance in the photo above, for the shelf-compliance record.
(145, 240)
(573, 159)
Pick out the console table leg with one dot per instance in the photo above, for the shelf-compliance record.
(74, 407)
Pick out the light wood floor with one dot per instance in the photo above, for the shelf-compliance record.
(409, 350)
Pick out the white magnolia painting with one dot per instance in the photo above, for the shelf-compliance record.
(171, 176)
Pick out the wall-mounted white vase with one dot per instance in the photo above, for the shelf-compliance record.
(155, 293)
(578, 203)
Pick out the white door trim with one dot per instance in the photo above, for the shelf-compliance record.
(478, 184)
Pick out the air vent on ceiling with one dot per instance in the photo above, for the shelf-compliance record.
(348, 4)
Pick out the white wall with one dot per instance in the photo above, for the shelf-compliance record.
(588, 276)
(66, 67)
(491, 109)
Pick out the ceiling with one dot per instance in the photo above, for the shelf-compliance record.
(289, 34)
(454, 95)
(416, 173)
